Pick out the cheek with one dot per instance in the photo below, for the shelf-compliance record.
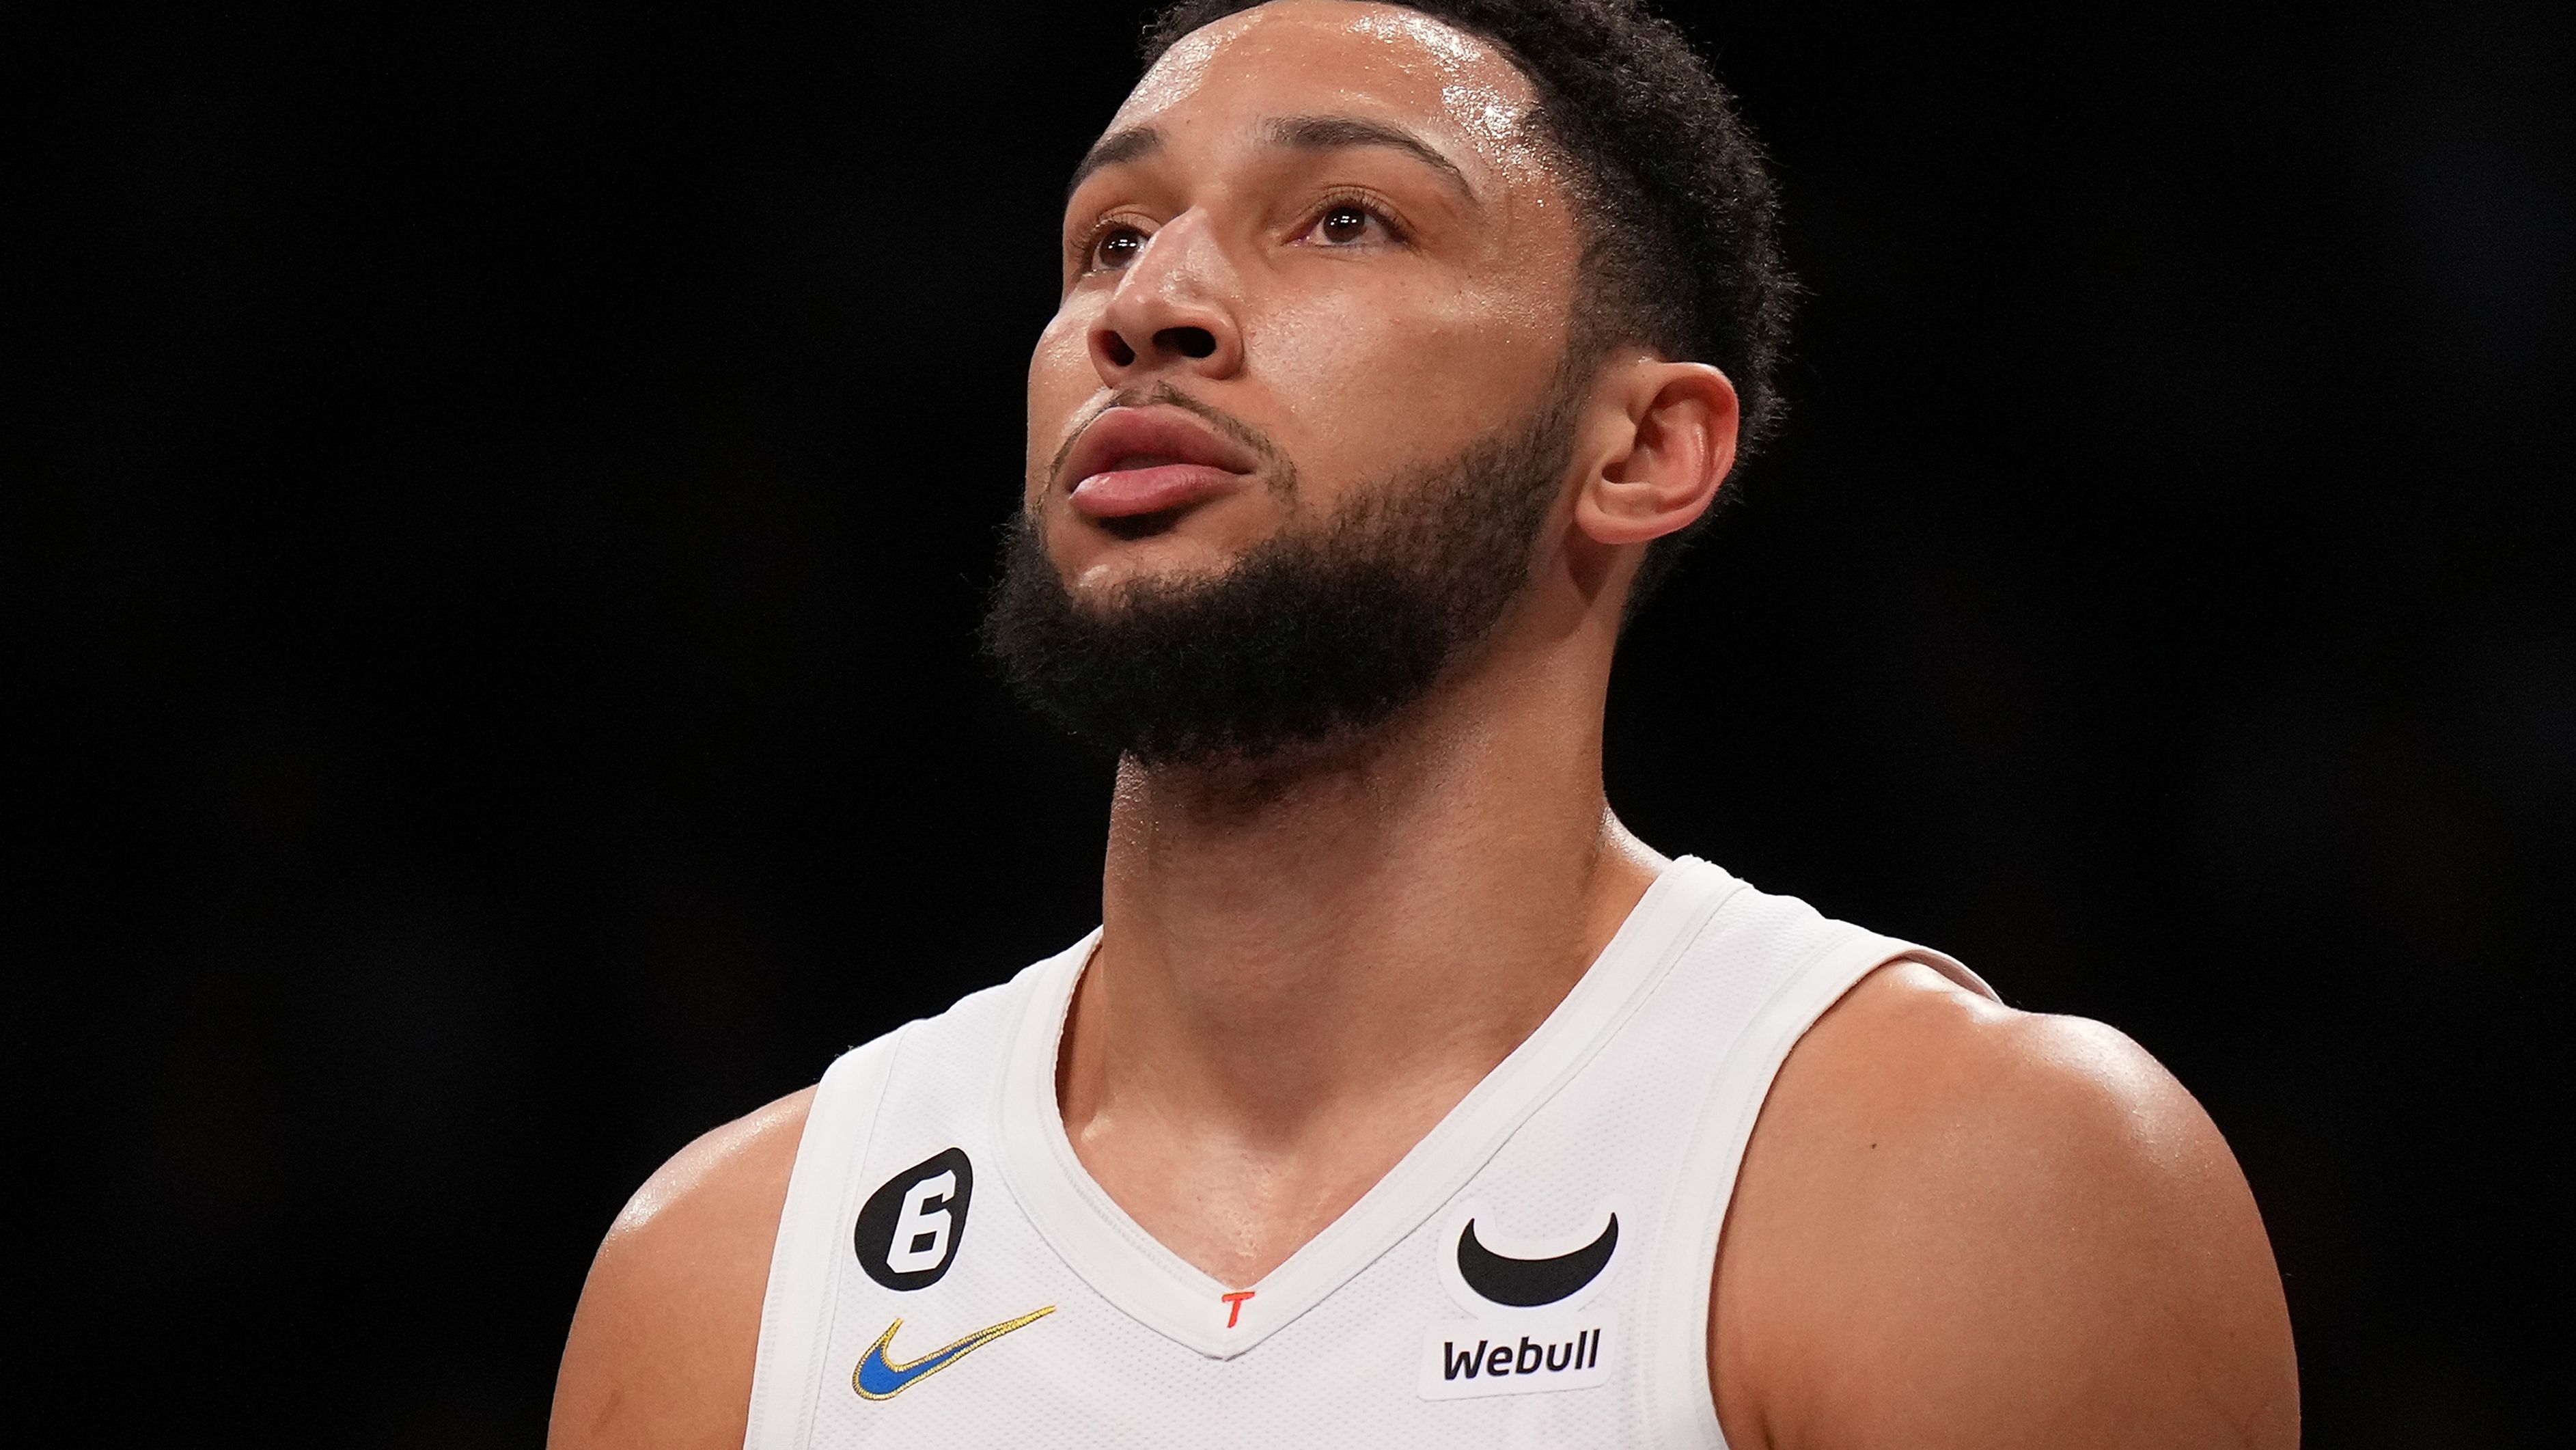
(1061, 379)
(1405, 378)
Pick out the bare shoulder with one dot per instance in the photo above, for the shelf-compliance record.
(1959, 1224)
(662, 1345)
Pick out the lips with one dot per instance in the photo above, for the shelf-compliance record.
(1134, 461)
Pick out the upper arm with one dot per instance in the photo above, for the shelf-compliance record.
(662, 1344)
(1963, 1225)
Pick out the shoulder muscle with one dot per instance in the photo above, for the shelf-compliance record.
(662, 1344)
(1962, 1225)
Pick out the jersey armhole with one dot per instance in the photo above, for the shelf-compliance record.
(796, 1307)
(1683, 1398)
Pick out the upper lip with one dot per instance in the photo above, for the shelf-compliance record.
(1163, 434)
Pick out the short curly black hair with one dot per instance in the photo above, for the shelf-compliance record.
(1683, 251)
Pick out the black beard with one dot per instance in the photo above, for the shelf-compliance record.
(1313, 636)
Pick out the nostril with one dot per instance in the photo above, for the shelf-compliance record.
(1187, 341)
(1117, 348)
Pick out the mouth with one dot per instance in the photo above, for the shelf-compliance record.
(1134, 468)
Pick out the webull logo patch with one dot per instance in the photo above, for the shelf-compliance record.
(1518, 1354)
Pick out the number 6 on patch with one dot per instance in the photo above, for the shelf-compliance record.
(921, 1230)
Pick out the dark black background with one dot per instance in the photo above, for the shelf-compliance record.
(501, 496)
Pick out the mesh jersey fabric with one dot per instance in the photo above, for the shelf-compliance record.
(1621, 1121)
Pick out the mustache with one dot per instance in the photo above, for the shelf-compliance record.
(1275, 464)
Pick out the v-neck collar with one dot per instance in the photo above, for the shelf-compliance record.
(1168, 1294)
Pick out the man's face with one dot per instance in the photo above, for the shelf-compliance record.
(1315, 251)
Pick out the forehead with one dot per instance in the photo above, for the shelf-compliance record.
(1306, 56)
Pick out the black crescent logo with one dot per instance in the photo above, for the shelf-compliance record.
(1528, 1283)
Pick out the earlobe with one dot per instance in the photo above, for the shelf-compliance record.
(1680, 443)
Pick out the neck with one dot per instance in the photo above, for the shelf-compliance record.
(1302, 968)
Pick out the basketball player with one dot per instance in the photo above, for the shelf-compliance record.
(1403, 1096)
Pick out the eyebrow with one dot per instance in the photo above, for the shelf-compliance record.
(1331, 133)
(1134, 143)
(1295, 133)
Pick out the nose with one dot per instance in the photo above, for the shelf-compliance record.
(1172, 310)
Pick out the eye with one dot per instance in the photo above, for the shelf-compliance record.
(1114, 246)
(1342, 223)
(1348, 224)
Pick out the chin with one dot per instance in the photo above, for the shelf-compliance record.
(1104, 569)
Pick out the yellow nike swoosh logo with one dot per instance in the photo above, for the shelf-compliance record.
(879, 1378)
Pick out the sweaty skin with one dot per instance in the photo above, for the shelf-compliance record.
(1956, 1225)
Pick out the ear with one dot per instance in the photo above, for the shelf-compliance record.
(1663, 469)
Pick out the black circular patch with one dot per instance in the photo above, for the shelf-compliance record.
(925, 1205)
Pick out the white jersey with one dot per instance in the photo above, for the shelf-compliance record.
(1535, 1272)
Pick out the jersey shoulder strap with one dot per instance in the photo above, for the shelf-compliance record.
(823, 1192)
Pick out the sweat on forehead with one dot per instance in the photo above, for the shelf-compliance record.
(1353, 52)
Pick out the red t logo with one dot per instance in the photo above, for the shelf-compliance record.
(1234, 1305)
